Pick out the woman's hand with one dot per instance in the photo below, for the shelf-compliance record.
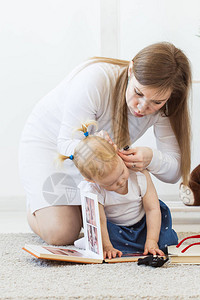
(111, 252)
(103, 134)
(136, 159)
(151, 246)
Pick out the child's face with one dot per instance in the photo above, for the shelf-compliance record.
(117, 179)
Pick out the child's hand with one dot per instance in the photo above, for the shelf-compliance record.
(151, 246)
(110, 252)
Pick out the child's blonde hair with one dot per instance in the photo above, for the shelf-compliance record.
(94, 156)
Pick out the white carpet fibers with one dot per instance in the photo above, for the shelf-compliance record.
(25, 277)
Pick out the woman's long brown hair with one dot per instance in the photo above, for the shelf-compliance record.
(161, 66)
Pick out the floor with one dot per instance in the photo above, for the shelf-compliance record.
(14, 222)
(13, 216)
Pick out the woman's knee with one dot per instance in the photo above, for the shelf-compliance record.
(59, 225)
(57, 234)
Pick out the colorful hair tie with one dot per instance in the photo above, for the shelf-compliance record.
(86, 133)
(71, 157)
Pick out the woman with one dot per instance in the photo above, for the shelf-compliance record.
(126, 98)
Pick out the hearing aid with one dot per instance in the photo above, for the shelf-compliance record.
(126, 147)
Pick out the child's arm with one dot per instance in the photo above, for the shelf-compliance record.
(108, 249)
(153, 218)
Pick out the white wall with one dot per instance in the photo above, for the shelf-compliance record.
(42, 40)
(145, 22)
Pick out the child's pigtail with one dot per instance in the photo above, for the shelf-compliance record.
(63, 157)
(84, 127)
(59, 160)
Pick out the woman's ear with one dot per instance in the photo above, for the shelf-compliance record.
(130, 69)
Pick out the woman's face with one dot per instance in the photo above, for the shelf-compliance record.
(142, 100)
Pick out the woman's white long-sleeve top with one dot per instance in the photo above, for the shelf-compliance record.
(86, 95)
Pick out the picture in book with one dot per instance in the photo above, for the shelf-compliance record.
(92, 230)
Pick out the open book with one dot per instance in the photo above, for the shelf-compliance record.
(185, 254)
(92, 232)
(94, 249)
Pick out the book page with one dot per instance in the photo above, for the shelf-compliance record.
(63, 253)
(192, 251)
(47, 251)
(91, 224)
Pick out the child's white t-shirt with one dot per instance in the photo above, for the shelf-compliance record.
(120, 209)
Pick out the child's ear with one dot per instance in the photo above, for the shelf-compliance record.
(89, 180)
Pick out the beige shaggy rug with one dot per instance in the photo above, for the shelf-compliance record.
(24, 277)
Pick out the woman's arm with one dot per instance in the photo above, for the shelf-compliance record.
(108, 249)
(166, 161)
(153, 218)
(163, 162)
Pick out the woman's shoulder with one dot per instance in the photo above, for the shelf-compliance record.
(93, 75)
(95, 66)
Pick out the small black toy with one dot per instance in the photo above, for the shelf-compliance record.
(153, 261)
